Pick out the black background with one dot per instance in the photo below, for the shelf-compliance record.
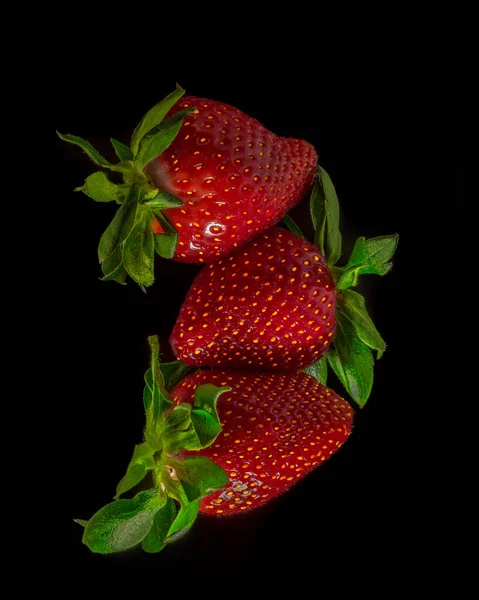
(370, 118)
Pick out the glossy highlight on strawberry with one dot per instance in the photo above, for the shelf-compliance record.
(236, 179)
(269, 306)
(276, 429)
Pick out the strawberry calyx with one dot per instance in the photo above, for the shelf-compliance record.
(167, 510)
(350, 355)
(128, 246)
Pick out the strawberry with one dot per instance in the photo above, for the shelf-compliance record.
(200, 179)
(235, 177)
(276, 429)
(269, 306)
(216, 441)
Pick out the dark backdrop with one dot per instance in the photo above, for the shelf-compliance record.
(363, 121)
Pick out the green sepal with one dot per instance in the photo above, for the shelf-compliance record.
(121, 225)
(163, 200)
(351, 360)
(178, 420)
(155, 144)
(353, 305)
(205, 423)
(188, 510)
(166, 244)
(151, 429)
(293, 227)
(173, 372)
(324, 207)
(101, 189)
(350, 278)
(121, 150)
(122, 524)
(155, 541)
(139, 251)
(369, 257)
(147, 391)
(113, 267)
(87, 148)
(204, 414)
(167, 123)
(160, 399)
(184, 520)
(140, 464)
(92, 153)
(318, 370)
(154, 117)
(82, 522)
(200, 477)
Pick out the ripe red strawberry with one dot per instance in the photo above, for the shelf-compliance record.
(201, 179)
(235, 177)
(269, 306)
(276, 429)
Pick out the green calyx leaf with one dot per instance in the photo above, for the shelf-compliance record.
(155, 143)
(174, 372)
(166, 243)
(93, 153)
(141, 462)
(318, 370)
(121, 225)
(156, 539)
(179, 419)
(202, 426)
(188, 511)
(87, 148)
(122, 151)
(184, 520)
(98, 187)
(324, 207)
(139, 251)
(204, 414)
(162, 200)
(154, 117)
(167, 123)
(353, 306)
(369, 256)
(351, 360)
(81, 522)
(113, 267)
(293, 227)
(157, 401)
(200, 477)
(122, 524)
(128, 245)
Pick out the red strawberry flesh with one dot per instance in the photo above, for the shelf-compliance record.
(269, 306)
(236, 179)
(276, 429)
